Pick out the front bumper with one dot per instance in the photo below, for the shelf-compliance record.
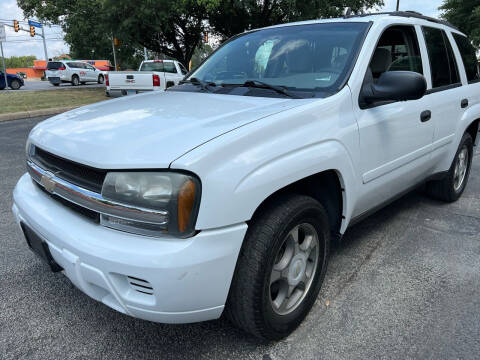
(189, 278)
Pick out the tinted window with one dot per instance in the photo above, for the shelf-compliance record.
(442, 61)
(152, 66)
(169, 67)
(397, 50)
(304, 57)
(54, 65)
(469, 57)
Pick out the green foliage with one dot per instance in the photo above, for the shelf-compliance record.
(230, 17)
(169, 27)
(20, 61)
(172, 28)
(83, 22)
(464, 14)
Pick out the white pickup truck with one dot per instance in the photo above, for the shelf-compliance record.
(151, 75)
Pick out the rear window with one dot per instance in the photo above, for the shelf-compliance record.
(152, 66)
(442, 61)
(54, 65)
(469, 57)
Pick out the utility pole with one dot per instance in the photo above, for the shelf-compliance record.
(44, 42)
(398, 5)
(114, 56)
(2, 39)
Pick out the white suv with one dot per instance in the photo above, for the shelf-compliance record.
(222, 194)
(74, 72)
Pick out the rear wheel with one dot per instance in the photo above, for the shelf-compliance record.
(56, 84)
(75, 80)
(453, 185)
(281, 268)
(101, 79)
(15, 84)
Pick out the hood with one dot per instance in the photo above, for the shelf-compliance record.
(149, 130)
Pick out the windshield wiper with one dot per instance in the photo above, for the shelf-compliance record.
(277, 89)
(203, 85)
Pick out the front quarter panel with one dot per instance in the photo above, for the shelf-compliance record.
(242, 168)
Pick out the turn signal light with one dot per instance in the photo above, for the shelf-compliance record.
(186, 200)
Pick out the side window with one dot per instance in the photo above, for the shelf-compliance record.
(397, 50)
(169, 67)
(442, 60)
(469, 57)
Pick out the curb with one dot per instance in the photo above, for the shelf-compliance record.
(34, 113)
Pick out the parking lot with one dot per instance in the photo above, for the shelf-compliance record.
(404, 283)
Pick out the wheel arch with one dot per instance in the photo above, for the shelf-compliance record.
(327, 187)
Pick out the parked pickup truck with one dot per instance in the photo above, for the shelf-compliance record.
(223, 194)
(152, 75)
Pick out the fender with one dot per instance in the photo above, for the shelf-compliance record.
(242, 168)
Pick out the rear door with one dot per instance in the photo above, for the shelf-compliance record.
(444, 90)
(91, 75)
(82, 71)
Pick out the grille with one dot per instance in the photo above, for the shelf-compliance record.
(140, 285)
(75, 173)
(92, 215)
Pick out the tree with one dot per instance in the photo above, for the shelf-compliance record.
(230, 17)
(20, 61)
(464, 14)
(170, 27)
(83, 22)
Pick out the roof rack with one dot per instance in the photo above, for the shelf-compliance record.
(408, 14)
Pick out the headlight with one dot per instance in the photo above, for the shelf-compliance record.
(174, 198)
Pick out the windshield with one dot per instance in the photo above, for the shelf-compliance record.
(315, 57)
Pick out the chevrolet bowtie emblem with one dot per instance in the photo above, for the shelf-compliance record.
(47, 182)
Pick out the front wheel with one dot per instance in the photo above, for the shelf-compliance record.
(280, 268)
(15, 84)
(453, 185)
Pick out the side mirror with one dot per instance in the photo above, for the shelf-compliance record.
(393, 86)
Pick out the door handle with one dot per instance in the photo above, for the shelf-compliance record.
(464, 103)
(426, 115)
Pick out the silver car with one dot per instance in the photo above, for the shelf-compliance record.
(74, 72)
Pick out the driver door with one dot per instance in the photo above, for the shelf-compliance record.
(395, 137)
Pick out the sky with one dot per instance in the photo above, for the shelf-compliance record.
(19, 44)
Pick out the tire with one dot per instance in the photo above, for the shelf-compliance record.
(83, 83)
(75, 80)
(15, 84)
(451, 188)
(253, 300)
(101, 79)
(56, 84)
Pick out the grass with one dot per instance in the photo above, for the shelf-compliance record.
(17, 101)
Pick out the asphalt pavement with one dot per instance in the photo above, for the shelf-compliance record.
(45, 85)
(405, 283)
